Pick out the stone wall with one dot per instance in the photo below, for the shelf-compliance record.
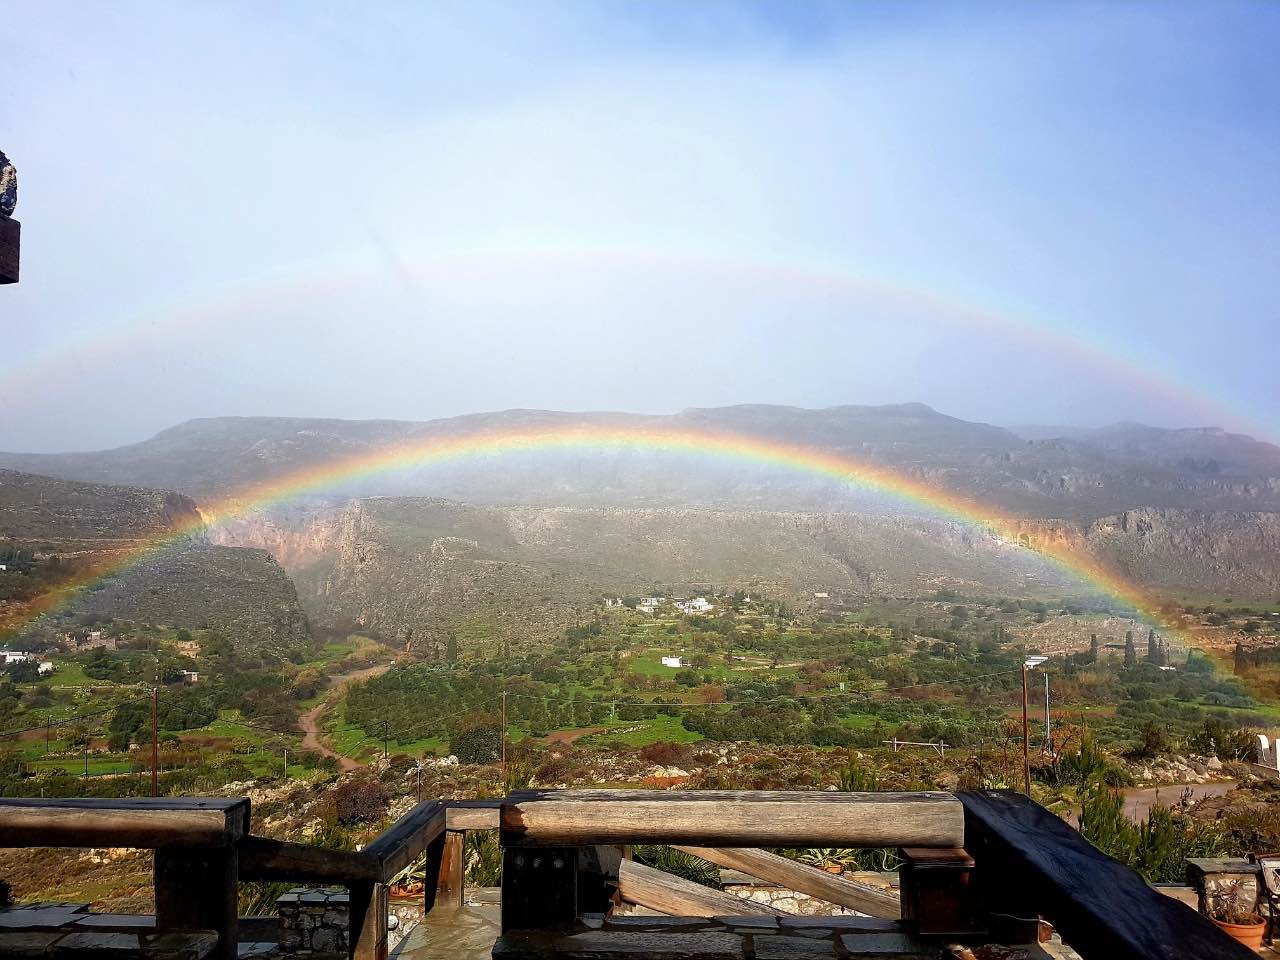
(792, 901)
(314, 920)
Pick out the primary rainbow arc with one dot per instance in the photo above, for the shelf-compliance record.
(722, 445)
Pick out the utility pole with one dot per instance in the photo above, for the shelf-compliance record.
(155, 739)
(1026, 729)
(286, 762)
(419, 765)
(386, 729)
(502, 734)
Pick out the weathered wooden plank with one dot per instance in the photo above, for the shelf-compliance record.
(367, 921)
(473, 814)
(717, 818)
(1028, 859)
(196, 890)
(147, 823)
(407, 838)
(448, 891)
(679, 897)
(10, 249)
(264, 859)
(802, 877)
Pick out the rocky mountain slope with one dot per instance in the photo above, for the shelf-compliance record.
(72, 533)
(1052, 474)
(412, 569)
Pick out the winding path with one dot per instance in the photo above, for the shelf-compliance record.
(310, 721)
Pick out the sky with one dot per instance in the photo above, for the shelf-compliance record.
(1061, 213)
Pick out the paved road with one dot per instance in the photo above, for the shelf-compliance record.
(310, 721)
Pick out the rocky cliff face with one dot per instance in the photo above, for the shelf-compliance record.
(147, 559)
(1231, 553)
(416, 568)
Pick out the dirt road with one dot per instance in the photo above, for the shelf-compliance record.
(1139, 801)
(310, 721)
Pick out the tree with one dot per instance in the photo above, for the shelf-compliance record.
(1153, 650)
(1093, 648)
(451, 647)
(1130, 651)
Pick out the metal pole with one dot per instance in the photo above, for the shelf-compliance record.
(386, 729)
(1048, 730)
(1026, 756)
(155, 740)
(286, 762)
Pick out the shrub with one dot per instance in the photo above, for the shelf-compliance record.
(360, 801)
(476, 745)
(666, 754)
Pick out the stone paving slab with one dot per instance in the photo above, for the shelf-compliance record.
(41, 916)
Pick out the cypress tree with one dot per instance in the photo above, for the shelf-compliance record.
(1130, 651)
(1152, 651)
(1093, 647)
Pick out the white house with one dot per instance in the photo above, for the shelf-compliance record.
(46, 667)
(650, 604)
(613, 601)
(190, 676)
(16, 656)
(696, 605)
(675, 662)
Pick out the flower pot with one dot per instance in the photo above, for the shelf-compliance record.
(1249, 934)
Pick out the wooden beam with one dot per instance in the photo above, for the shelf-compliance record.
(719, 818)
(196, 890)
(154, 823)
(10, 248)
(803, 878)
(265, 859)
(679, 897)
(407, 838)
(1027, 859)
(473, 814)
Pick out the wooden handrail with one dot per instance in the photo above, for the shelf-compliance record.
(262, 858)
(407, 838)
(1029, 862)
(730, 818)
(149, 823)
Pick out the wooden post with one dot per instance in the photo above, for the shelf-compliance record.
(367, 924)
(539, 888)
(937, 891)
(10, 242)
(452, 862)
(196, 890)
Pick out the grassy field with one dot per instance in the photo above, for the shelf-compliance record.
(640, 733)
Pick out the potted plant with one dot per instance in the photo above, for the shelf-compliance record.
(1232, 908)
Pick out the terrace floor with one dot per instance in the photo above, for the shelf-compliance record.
(464, 933)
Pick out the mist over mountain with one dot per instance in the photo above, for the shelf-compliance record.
(1030, 472)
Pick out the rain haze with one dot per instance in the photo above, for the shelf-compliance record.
(1016, 213)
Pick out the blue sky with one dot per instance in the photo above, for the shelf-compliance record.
(1061, 213)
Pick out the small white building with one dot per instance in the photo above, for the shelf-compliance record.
(16, 656)
(46, 667)
(190, 676)
(650, 604)
(673, 662)
(613, 601)
(696, 605)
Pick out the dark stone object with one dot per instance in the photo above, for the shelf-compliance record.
(8, 186)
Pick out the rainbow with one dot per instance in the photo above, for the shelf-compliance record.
(305, 282)
(745, 449)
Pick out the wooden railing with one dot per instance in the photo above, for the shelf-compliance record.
(975, 864)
